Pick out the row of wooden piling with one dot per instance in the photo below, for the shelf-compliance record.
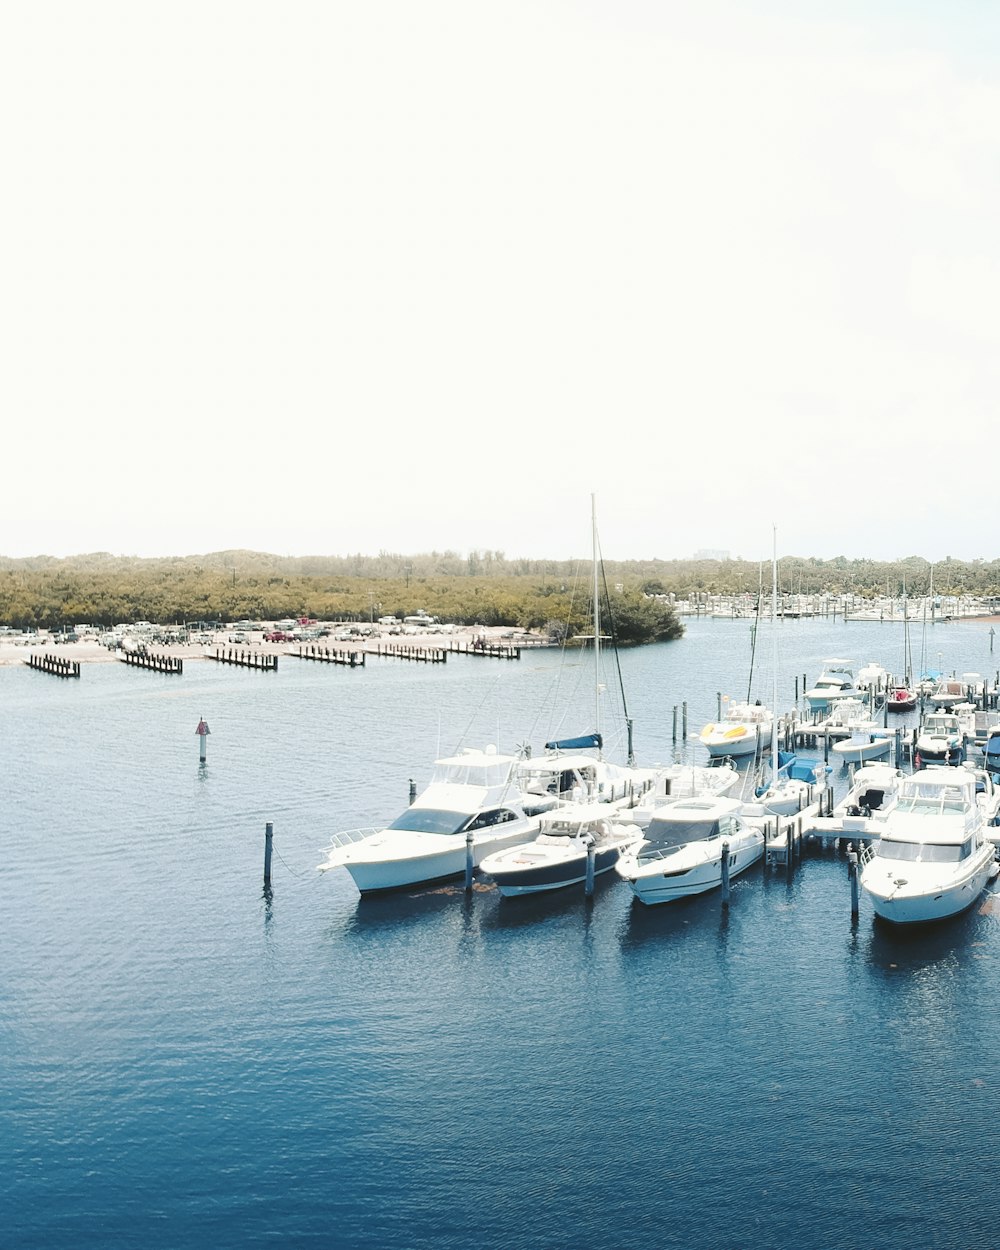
(405, 651)
(244, 659)
(54, 664)
(327, 655)
(153, 661)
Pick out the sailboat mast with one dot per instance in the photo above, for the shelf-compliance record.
(597, 617)
(774, 653)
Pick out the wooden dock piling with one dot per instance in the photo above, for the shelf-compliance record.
(328, 655)
(152, 661)
(404, 651)
(245, 659)
(54, 664)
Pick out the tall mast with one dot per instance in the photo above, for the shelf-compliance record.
(597, 617)
(774, 653)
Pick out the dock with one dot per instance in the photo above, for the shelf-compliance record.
(492, 651)
(244, 659)
(53, 664)
(328, 655)
(404, 651)
(152, 661)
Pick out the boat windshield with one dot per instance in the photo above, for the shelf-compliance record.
(925, 852)
(933, 801)
(665, 837)
(439, 820)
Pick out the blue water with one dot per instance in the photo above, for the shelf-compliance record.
(189, 1060)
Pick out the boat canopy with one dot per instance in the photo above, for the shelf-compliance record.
(575, 744)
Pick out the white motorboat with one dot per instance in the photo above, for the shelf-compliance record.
(793, 786)
(745, 729)
(566, 773)
(834, 683)
(681, 853)
(473, 797)
(940, 740)
(866, 740)
(948, 692)
(872, 792)
(557, 856)
(933, 858)
(684, 781)
(874, 678)
(837, 722)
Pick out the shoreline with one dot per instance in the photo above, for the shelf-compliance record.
(92, 651)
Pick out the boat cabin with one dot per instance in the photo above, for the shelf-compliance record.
(687, 821)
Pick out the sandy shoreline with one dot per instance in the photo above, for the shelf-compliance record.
(91, 651)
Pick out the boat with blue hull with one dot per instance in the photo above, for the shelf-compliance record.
(558, 856)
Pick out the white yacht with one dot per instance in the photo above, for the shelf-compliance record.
(871, 794)
(834, 683)
(745, 729)
(681, 853)
(557, 856)
(684, 781)
(566, 773)
(940, 740)
(866, 740)
(473, 793)
(933, 858)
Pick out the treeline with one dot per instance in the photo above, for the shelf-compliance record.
(70, 592)
(796, 574)
(482, 587)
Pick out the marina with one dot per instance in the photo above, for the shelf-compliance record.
(190, 1056)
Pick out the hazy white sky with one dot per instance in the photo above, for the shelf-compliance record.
(349, 277)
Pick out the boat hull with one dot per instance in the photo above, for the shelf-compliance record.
(382, 867)
(652, 884)
(514, 879)
(913, 904)
(860, 752)
(728, 743)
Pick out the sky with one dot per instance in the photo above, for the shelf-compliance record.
(337, 278)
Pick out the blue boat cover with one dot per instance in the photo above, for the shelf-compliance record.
(576, 744)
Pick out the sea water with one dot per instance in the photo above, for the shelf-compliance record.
(188, 1059)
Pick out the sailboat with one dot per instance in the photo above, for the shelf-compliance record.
(590, 820)
(792, 780)
(746, 729)
(567, 768)
(903, 696)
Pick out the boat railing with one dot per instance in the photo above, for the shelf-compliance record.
(340, 840)
(866, 854)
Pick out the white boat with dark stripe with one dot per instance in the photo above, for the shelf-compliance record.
(557, 856)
